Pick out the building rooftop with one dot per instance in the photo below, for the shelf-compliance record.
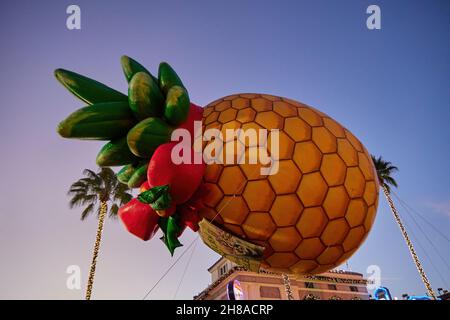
(325, 276)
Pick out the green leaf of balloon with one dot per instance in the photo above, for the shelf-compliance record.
(152, 195)
(171, 228)
(163, 202)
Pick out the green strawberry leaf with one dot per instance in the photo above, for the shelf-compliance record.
(162, 203)
(171, 228)
(152, 195)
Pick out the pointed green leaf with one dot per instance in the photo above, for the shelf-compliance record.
(102, 121)
(144, 97)
(86, 89)
(139, 176)
(126, 172)
(171, 229)
(130, 67)
(177, 105)
(163, 202)
(152, 195)
(147, 135)
(116, 153)
(167, 78)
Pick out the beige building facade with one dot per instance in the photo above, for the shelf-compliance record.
(338, 285)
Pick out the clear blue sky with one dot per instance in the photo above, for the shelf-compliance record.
(390, 87)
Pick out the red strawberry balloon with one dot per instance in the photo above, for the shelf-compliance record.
(189, 216)
(140, 219)
(182, 179)
(173, 192)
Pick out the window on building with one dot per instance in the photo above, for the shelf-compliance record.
(332, 287)
(223, 270)
(353, 289)
(309, 285)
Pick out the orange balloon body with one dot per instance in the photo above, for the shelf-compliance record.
(317, 210)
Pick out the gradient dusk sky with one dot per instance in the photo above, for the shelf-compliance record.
(390, 87)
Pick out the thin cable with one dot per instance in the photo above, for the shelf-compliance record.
(185, 269)
(424, 234)
(416, 240)
(422, 217)
(182, 254)
(170, 268)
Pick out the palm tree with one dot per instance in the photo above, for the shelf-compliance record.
(95, 192)
(385, 169)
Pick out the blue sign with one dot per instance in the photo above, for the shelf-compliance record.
(420, 298)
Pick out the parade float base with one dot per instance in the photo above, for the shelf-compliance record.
(233, 248)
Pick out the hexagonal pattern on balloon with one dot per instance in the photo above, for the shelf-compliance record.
(285, 146)
(259, 226)
(284, 109)
(287, 178)
(240, 103)
(312, 222)
(278, 210)
(307, 156)
(317, 210)
(246, 115)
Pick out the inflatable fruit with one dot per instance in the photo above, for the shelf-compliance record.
(139, 219)
(306, 215)
(317, 210)
(183, 179)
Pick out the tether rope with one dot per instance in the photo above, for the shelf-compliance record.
(422, 217)
(185, 269)
(424, 234)
(170, 268)
(196, 238)
(419, 244)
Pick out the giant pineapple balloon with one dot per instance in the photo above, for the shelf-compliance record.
(317, 210)
(308, 216)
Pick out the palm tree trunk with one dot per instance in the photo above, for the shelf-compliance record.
(409, 243)
(98, 239)
(287, 286)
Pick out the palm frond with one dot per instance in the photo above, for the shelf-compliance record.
(77, 187)
(125, 198)
(109, 179)
(82, 199)
(121, 194)
(87, 211)
(73, 189)
(113, 211)
(90, 174)
(76, 200)
(391, 181)
(385, 169)
(92, 178)
(78, 184)
(94, 188)
(391, 168)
